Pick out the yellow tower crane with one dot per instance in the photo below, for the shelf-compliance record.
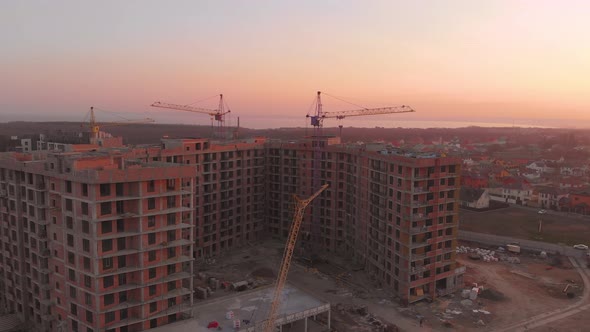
(300, 205)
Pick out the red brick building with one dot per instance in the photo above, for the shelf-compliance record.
(104, 239)
(579, 202)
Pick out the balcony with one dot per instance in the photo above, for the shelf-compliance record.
(42, 234)
(421, 203)
(45, 252)
(181, 307)
(419, 190)
(419, 244)
(418, 230)
(417, 216)
(419, 269)
(416, 257)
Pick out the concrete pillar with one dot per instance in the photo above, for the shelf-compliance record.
(305, 330)
(329, 312)
(280, 328)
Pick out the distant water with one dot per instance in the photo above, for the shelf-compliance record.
(273, 121)
(369, 123)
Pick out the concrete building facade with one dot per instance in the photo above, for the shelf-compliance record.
(105, 238)
(394, 213)
(96, 243)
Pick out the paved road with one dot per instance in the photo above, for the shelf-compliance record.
(496, 240)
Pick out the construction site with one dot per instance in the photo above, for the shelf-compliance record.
(254, 234)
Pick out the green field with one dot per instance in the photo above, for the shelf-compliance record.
(523, 223)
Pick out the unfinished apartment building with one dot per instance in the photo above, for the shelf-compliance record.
(228, 187)
(91, 242)
(105, 238)
(394, 213)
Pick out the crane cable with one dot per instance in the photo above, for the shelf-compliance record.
(113, 113)
(202, 100)
(348, 102)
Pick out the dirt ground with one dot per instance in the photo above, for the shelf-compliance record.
(512, 292)
(577, 323)
(523, 223)
(529, 288)
(358, 304)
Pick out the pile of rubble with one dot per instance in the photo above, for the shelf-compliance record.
(510, 259)
(484, 254)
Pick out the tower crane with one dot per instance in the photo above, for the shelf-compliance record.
(300, 205)
(95, 126)
(317, 121)
(216, 114)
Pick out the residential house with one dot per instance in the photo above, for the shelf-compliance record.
(513, 191)
(570, 170)
(572, 183)
(475, 198)
(580, 202)
(531, 175)
(541, 167)
(549, 197)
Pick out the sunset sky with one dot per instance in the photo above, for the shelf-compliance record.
(521, 62)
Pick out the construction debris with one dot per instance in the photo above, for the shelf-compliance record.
(510, 259)
(484, 254)
(467, 303)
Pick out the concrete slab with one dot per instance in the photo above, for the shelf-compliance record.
(251, 309)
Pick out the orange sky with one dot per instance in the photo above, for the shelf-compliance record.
(525, 62)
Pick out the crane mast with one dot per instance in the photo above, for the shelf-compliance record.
(318, 142)
(300, 205)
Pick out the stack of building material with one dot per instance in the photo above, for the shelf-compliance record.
(485, 254)
(201, 293)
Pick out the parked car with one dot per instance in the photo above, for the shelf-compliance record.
(542, 211)
(581, 246)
